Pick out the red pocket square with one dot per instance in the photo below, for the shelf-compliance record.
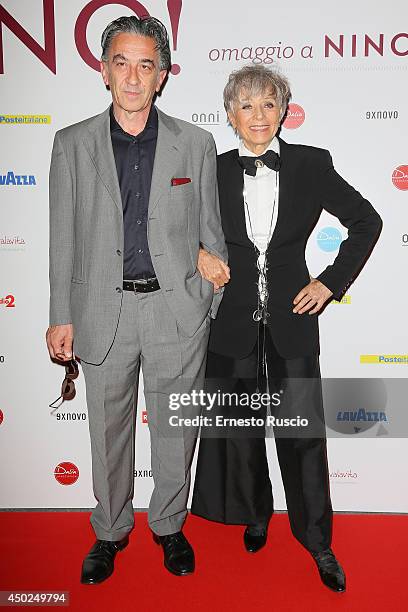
(180, 181)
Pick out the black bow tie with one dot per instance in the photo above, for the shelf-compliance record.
(251, 164)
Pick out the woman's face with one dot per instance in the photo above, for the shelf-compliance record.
(256, 119)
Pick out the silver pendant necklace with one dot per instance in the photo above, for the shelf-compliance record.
(261, 314)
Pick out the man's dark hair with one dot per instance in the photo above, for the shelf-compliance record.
(145, 26)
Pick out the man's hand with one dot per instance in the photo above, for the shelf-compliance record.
(59, 341)
(213, 269)
(313, 296)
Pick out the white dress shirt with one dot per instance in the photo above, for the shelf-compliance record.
(260, 195)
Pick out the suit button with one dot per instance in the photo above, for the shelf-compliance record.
(118, 252)
(118, 290)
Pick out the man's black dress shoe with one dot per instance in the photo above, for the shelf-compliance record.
(255, 538)
(178, 554)
(330, 570)
(98, 564)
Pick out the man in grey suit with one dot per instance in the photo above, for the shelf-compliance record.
(133, 196)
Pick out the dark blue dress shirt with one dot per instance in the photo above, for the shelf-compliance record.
(134, 158)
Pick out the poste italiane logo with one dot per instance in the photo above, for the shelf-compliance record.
(66, 473)
(295, 117)
(384, 359)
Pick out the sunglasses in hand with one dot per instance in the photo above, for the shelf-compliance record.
(68, 390)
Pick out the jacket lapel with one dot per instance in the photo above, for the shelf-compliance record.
(236, 198)
(98, 143)
(286, 183)
(166, 159)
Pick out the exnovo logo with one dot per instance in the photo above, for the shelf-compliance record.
(382, 114)
(71, 416)
(8, 301)
(400, 178)
(295, 117)
(17, 179)
(329, 239)
(143, 474)
(66, 473)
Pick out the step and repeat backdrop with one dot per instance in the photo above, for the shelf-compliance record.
(347, 64)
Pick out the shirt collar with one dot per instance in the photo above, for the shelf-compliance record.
(151, 123)
(273, 146)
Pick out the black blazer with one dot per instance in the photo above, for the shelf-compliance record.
(308, 184)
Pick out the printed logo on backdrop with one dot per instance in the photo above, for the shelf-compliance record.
(8, 301)
(295, 117)
(12, 243)
(144, 416)
(66, 473)
(355, 405)
(206, 118)
(384, 359)
(70, 416)
(1, 417)
(25, 119)
(346, 476)
(329, 239)
(346, 299)
(10, 178)
(400, 178)
(339, 46)
(143, 473)
(47, 54)
(384, 114)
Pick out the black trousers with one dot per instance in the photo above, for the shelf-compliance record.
(232, 483)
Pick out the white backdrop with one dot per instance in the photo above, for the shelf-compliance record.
(353, 101)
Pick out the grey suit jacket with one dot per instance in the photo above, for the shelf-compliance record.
(86, 229)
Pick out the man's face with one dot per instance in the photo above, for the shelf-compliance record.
(256, 119)
(132, 71)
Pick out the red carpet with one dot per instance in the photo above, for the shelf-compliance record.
(44, 551)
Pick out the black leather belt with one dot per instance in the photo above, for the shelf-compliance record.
(141, 285)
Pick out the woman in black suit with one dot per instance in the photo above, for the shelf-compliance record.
(266, 336)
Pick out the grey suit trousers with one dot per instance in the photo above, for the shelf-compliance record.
(147, 335)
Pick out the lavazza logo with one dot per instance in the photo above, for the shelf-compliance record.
(17, 180)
